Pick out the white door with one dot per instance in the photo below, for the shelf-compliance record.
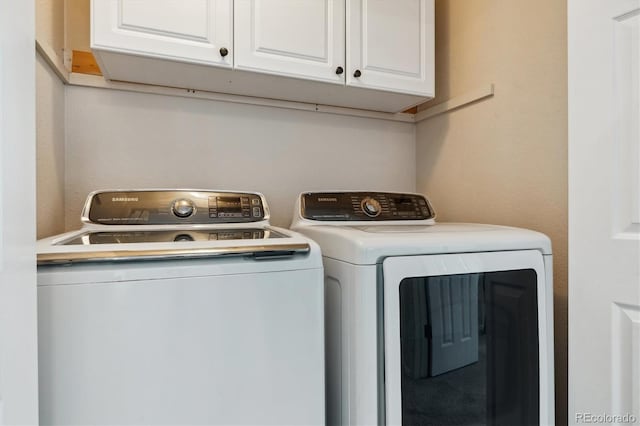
(505, 376)
(390, 45)
(196, 31)
(604, 217)
(453, 307)
(303, 39)
(18, 335)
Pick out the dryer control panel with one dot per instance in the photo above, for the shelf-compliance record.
(173, 207)
(365, 206)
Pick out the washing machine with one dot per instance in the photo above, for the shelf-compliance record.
(430, 323)
(180, 307)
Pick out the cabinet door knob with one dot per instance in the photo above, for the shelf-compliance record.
(224, 51)
(339, 70)
(357, 74)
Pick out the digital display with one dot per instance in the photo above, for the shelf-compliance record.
(236, 235)
(404, 203)
(229, 205)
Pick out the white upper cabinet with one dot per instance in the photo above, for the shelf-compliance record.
(304, 39)
(297, 50)
(195, 31)
(390, 45)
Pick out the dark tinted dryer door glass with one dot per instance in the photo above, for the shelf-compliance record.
(469, 349)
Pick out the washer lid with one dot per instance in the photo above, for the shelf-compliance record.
(130, 243)
(174, 235)
(365, 245)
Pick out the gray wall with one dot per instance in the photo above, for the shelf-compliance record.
(120, 139)
(50, 119)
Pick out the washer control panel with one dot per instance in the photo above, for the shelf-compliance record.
(171, 207)
(365, 206)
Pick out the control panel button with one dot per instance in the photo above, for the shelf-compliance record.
(183, 208)
(256, 212)
(370, 206)
(255, 201)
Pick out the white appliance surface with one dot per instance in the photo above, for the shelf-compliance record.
(366, 244)
(368, 254)
(186, 332)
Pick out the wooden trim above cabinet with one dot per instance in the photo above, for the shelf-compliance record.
(84, 63)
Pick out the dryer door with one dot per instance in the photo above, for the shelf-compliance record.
(467, 339)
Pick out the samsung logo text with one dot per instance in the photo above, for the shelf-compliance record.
(123, 199)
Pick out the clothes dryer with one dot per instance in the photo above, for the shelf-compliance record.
(430, 323)
(180, 307)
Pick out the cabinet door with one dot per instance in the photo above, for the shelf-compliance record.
(390, 45)
(303, 39)
(196, 31)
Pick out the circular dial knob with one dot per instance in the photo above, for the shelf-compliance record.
(183, 208)
(371, 207)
